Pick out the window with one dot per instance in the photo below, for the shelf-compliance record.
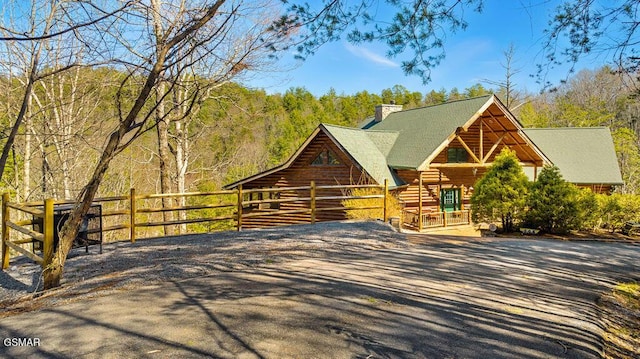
(326, 158)
(332, 159)
(456, 155)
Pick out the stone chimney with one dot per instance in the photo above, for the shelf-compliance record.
(382, 111)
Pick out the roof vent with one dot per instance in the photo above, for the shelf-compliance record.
(382, 111)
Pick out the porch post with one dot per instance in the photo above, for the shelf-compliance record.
(481, 149)
(419, 201)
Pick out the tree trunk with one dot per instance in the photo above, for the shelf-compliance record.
(53, 271)
(182, 163)
(162, 129)
(23, 111)
(28, 130)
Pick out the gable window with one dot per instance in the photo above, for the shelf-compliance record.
(456, 155)
(326, 158)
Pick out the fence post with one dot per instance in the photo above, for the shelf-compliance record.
(47, 246)
(385, 213)
(312, 193)
(132, 215)
(5, 231)
(239, 207)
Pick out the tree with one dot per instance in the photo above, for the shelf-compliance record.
(501, 193)
(553, 204)
(476, 91)
(506, 87)
(417, 29)
(628, 152)
(197, 31)
(607, 28)
(27, 45)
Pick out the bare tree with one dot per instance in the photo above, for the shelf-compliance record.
(507, 86)
(243, 46)
(188, 35)
(24, 45)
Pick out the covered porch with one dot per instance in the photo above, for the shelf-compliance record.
(428, 218)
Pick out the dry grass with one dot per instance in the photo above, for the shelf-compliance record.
(621, 310)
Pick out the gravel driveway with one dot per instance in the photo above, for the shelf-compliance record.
(333, 290)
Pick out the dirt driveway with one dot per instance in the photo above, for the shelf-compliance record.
(431, 297)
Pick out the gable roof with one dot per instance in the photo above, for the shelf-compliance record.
(422, 130)
(584, 155)
(369, 149)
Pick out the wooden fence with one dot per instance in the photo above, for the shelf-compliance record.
(133, 212)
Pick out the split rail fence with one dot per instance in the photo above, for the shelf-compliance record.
(32, 223)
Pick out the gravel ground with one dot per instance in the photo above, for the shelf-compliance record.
(124, 265)
(342, 290)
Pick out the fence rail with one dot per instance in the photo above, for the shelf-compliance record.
(134, 212)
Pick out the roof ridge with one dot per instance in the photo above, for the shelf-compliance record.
(567, 128)
(444, 103)
(357, 128)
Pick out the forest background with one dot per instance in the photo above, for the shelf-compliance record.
(237, 131)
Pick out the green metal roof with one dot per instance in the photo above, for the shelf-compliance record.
(584, 155)
(422, 130)
(368, 149)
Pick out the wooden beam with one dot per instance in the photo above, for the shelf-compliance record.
(493, 148)
(47, 233)
(481, 141)
(475, 165)
(473, 155)
(25, 252)
(459, 165)
(515, 140)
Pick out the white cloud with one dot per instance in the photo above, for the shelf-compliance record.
(370, 56)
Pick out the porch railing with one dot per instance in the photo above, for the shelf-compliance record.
(436, 219)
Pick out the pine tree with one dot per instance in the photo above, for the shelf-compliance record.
(553, 203)
(501, 193)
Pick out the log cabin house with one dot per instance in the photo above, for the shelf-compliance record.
(431, 157)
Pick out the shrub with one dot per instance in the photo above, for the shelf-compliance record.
(617, 209)
(393, 204)
(553, 204)
(500, 194)
(589, 214)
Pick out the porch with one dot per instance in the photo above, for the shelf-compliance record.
(427, 218)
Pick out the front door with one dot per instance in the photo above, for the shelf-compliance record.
(450, 199)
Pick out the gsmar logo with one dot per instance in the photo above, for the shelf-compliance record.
(21, 342)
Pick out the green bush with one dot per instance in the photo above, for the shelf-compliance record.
(553, 204)
(501, 193)
(617, 209)
(589, 215)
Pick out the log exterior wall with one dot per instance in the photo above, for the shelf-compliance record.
(300, 173)
(433, 181)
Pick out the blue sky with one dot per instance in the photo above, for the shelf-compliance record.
(471, 56)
